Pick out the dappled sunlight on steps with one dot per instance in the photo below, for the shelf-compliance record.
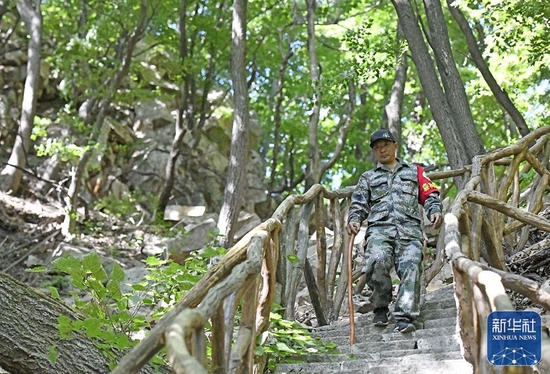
(434, 348)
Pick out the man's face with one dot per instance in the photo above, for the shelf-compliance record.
(384, 151)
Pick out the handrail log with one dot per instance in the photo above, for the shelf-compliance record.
(315, 190)
(180, 358)
(516, 147)
(494, 290)
(522, 285)
(536, 164)
(154, 341)
(509, 210)
(436, 175)
(232, 283)
(192, 319)
(268, 274)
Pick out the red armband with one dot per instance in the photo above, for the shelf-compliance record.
(425, 186)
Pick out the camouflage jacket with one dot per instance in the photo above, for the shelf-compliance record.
(387, 198)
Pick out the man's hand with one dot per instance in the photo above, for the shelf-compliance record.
(353, 228)
(436, 220)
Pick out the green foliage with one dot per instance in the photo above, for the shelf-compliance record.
(52, 354)
(293, 259)
(509, 34)
(113, 318)
(375, 52)
(109, 317)
(123, 207)
(40, 127)
(168, 281)
(288, 342)
(66, 148)
(66, 152)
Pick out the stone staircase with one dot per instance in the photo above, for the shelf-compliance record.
(434, 348)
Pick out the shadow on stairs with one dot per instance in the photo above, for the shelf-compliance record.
(434, 347)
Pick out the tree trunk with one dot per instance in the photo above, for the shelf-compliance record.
(501, 96)
(236, 181)
(394, 107)
(114, 83)
(450, 77)
(183, 113)
(28, 331)
(277, 108)
(313, 170)
(440, 108)
(10, 178)
(344, 125)
(359, 147)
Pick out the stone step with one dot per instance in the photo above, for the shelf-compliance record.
(432, 327)
(366, 319)
(445, 292)
(439, 367)
(388, 357)
(439, 304)
(443, 342)
(442, 322)
(436, 310)
(437, 314)
(434, 348)
(341, 337)
(367, 328)
(428, 363)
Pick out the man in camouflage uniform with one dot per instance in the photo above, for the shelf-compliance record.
(388, 197)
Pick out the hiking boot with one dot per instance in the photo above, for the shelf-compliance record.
(380, 316)
(404, 326)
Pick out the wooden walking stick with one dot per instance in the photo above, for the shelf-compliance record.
(350, 291)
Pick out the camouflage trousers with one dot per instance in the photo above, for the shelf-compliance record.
(384, 249)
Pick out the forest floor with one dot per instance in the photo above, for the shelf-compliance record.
(30, 236)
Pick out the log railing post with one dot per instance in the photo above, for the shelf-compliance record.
(267, 292)
(242, 353)
(321, 249)
(180, 357)
(475, 233)
(335, 260)
(341, 284)
(482, 311)
(467, 317)
(295, 270)
(218, 341)
(491, 220)
(288, 246)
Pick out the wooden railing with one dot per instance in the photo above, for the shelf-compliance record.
(484, 215)
(275, 253)
(246, 276)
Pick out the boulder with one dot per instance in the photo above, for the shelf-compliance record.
(245, 223)
(197, 236)
(179, 212)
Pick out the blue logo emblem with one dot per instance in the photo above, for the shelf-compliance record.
(514, 338)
